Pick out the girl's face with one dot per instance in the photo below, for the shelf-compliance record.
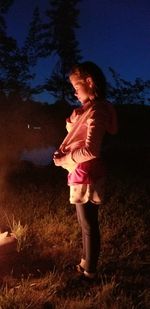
(83, 88)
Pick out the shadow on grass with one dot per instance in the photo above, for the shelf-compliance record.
(18, 267)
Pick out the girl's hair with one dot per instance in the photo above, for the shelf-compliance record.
(90, 69)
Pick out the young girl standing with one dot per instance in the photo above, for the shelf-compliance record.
(80, 154)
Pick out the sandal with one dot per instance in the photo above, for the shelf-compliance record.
(80, 269)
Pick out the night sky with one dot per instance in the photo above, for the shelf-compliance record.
(112, 33)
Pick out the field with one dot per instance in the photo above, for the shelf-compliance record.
(34, 205)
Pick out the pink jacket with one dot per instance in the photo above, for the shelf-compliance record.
(86, 128)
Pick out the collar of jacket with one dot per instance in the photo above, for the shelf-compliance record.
(87, 105)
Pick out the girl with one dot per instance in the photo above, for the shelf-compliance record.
(80, 154)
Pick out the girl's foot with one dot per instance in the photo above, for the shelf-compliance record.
(81, 267)
(89, 275)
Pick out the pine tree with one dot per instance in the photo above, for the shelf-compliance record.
(4, 41)
(18, 76)
(37, 44)
(14, 69)
(62, 22)
(4, 5)
(33, 42)
(14, 72)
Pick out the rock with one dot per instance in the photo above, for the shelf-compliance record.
(8, 251)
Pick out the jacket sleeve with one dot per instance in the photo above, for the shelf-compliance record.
(96, 127)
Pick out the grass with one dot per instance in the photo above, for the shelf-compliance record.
(35, 206)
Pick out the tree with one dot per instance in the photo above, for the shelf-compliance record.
(37, 44)
(33, 43)
(62, 22)
(4, 5)
(58, 85)
(14, 69)
(125, 92)
(18, 76)
(4, 40)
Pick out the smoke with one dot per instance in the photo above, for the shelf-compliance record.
(14, 138)
(18, 133)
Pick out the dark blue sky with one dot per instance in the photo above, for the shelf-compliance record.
(112, 33)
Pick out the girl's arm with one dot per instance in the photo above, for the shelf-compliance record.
(95, 132)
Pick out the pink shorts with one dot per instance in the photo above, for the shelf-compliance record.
(87, 172)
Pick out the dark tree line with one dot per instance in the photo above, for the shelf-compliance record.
(55, 35)
(126, 92)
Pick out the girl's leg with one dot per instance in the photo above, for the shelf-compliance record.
(79, 217)
(88, 218)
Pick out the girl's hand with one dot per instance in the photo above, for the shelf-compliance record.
(57, 154)
(65, 161)
(57, 161)
(58, 158)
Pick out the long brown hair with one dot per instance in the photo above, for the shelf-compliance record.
(90, 69)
